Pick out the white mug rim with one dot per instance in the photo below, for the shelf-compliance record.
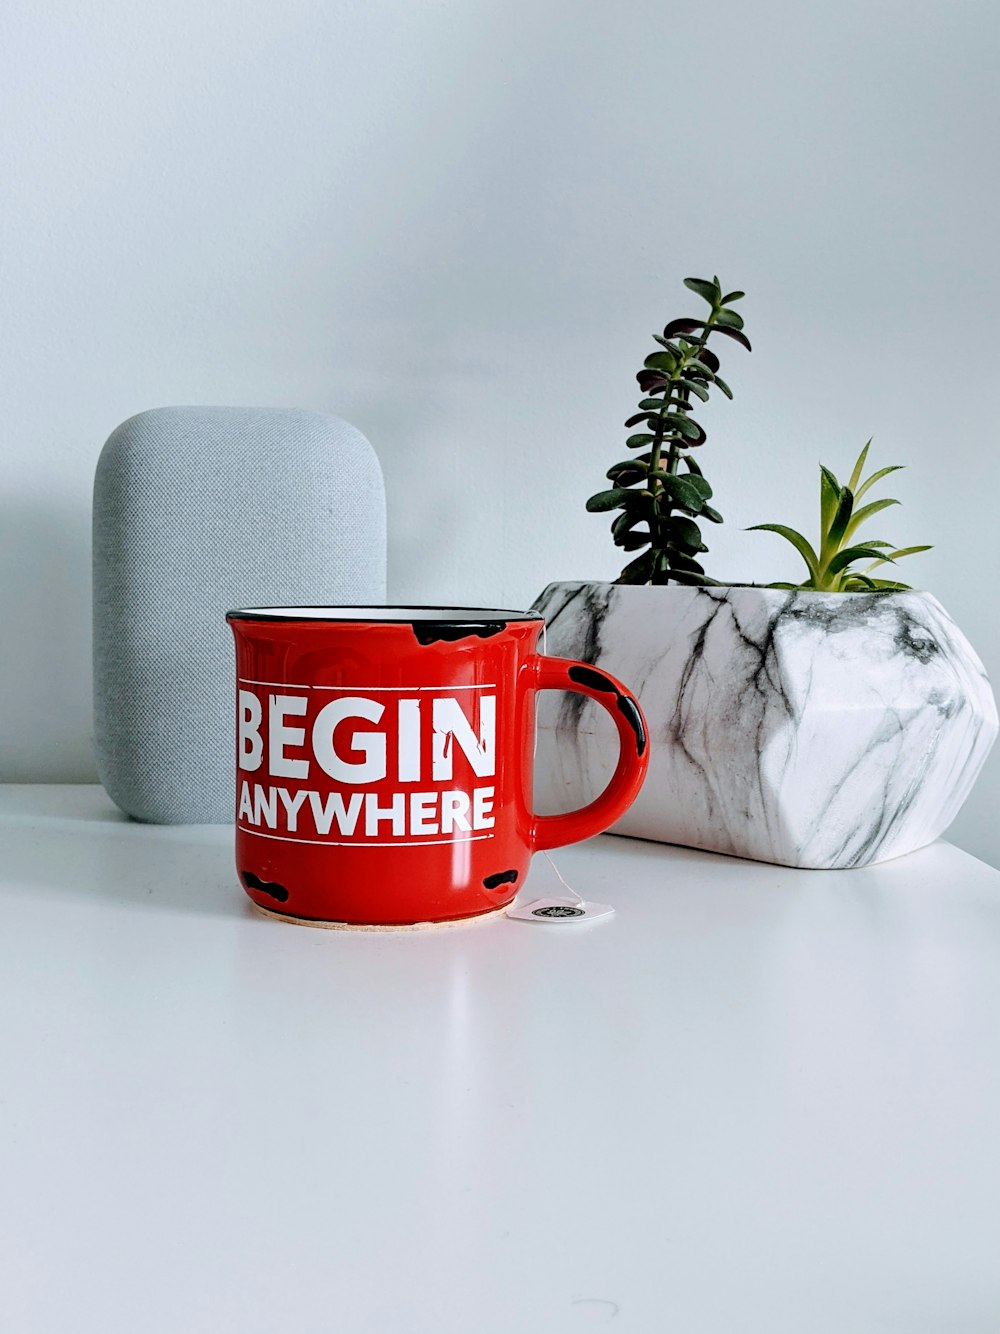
(388, 615)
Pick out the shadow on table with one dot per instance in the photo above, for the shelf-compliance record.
(74, 843)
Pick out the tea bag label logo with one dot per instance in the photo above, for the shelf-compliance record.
(370, 770)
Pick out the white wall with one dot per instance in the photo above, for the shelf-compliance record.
(457, 224)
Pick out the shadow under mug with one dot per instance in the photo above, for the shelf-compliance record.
(384, 760)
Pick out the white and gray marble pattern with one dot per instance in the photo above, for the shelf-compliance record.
(807, 729)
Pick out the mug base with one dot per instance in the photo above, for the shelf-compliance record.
(382, 926)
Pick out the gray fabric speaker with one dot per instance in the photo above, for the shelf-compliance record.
(197, 511)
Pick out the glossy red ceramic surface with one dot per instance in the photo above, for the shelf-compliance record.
(384, 767)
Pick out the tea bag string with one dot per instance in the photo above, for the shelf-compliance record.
(579, 897)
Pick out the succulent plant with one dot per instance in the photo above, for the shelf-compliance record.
(660, 504)
(833, 568)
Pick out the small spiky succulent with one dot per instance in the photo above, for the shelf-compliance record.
(659, 503)
(834, 566)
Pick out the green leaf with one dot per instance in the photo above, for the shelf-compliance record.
(723, 386)
(686, 534)
(712, 515)
(865, 513)
(637, 441)
(710, 292)
(700, 485)
(732, 296)
(686, 425)
(838, 526)
(689, 489)
(829, 496)
(624, 523)
(638, 570)
(693, 387)
(667, 360)
(859, 468)
(652, 404)
(608, 500)
(627, 472)
(728, 319)
(686, 330)
(858, 583)
(736, 334)
(797, 540)
(676, 351)
(692, 466)
(850, 554)
(898, 554)
(909, 551)
(877, 477)
(890, 586)
(661, 361)
(631, 541)
(687, 564)
(682, 490)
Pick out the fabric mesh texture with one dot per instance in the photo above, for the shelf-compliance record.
(198, 511)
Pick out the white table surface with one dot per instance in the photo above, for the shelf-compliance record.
(755, 1099)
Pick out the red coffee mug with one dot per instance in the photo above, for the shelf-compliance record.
(384, 760)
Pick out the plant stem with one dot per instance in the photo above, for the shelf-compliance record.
(673, 456)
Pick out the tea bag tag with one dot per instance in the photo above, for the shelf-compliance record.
(574, 909)
(559, 910)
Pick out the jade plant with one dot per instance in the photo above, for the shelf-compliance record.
(835, 565)
(660, 504)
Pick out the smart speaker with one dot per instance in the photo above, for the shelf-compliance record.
(198, 511)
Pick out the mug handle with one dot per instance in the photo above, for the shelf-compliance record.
(553, 831)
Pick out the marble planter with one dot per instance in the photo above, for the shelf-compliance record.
(806, 729)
